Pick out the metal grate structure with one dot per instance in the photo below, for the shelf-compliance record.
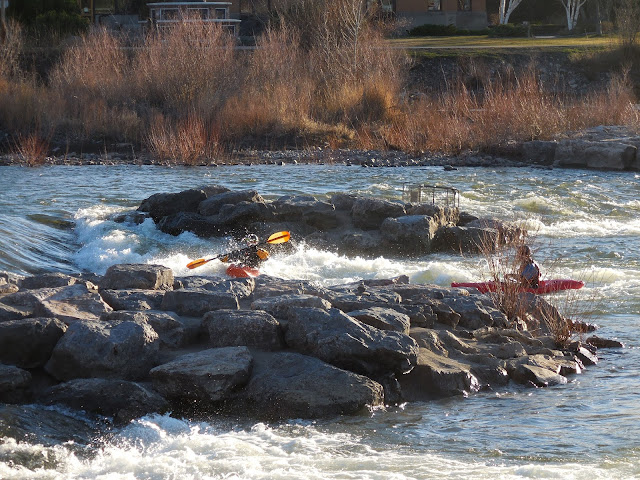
(449, 197)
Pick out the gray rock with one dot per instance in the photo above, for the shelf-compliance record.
(197, 301)
(126, 350)
(257, 329)
(212, 205)
(608, 155)
(28, 343)
(13, 383)
(369, 213)
(120, 399)
(465, 239)
(137, 276)
(180, 222)
(167, 325)
(133, 299)
(473, 314)
(436, 375)
(7, 312)
(48, 280)
(69, 304)
(289, 385)
(308, 210)
(347, 343)
(207, 376)
(412, 234)
(282, 306)
(538, 376)
(162, 204)
(383, 319)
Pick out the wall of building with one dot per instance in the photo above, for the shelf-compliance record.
(415, 13)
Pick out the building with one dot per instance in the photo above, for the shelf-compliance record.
(467, 14)
(164, 14)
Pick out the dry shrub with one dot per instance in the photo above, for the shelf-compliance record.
(10, 48)
(276, 90)
(25, 106)
(512, 109)
(190, 142)
(93, 68)
(32, 149)
(189, 67)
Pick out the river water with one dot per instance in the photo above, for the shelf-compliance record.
(586, 226)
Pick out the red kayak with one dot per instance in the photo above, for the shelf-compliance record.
(545, 286)
(242, 271)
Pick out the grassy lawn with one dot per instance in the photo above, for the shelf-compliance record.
(484, 42)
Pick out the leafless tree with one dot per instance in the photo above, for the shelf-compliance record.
(572, 9)
(506, 8)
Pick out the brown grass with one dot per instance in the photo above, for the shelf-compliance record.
(188, 92)
(32, 149)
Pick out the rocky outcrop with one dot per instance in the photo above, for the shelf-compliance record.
(347, 223)
(267, 347)
(599, 148)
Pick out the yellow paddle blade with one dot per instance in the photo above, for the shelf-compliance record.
(197, 263)
(279, 237)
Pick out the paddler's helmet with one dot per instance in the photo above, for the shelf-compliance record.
(251, 239)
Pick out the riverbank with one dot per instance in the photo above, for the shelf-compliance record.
(604, 147)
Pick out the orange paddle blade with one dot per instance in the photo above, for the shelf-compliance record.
(197, 263)
(279, 237)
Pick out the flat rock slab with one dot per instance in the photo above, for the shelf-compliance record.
(133, 299)
(28, 343)
(255, 328)
(120, 399)
(291, 385)
(436, 375)
(137, 276)
(196, 302)
(206, 376)
(125, 350)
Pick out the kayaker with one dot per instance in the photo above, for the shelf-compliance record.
(528, 270)
(250, 256)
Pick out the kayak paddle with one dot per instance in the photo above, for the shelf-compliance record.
(278, 237)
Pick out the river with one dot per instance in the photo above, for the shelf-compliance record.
(585, 225)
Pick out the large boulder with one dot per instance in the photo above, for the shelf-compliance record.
(212, 205)
(345, 342)
(120, 399)
(28, 343)
(197, 301)
(8, 312)
(125, 350)
(411, 234)
(369, 213)
(608, 155)
(180, 222)
(137, 276)
(134, 299)
(383, 319)
(162, 204)
(207, 376)
(465, 239)
(306, 209)
(290, 385)
(14, 382)
(256, 329)
(167, 325)
(69, 304)
(436, 376)
(281, 306)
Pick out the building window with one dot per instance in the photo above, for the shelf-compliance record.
(464, 5)
(434, 5)
(221, 13)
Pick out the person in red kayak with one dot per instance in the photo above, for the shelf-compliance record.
(250, 256)
(528, 270)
